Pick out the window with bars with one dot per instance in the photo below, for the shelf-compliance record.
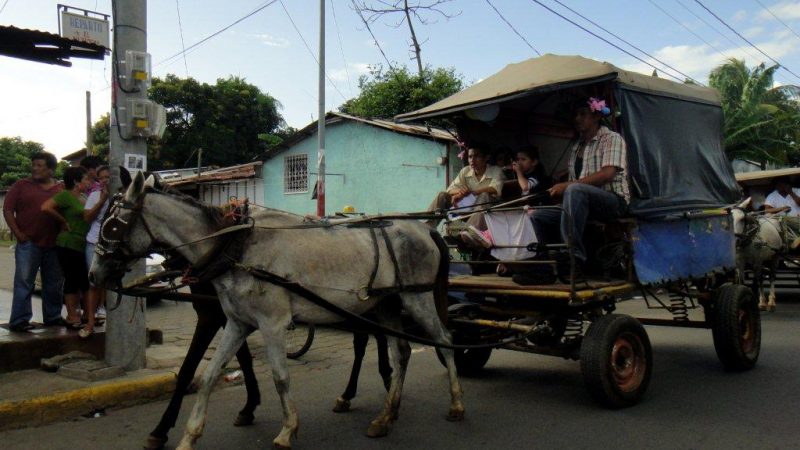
(295, 174)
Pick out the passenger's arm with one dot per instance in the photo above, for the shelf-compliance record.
(600, 178)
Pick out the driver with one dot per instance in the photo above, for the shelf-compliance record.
(785, 201)
(597, 186)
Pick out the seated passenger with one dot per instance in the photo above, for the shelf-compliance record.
(597, 186)
(477, 183)
(785, 201)
(529, 173)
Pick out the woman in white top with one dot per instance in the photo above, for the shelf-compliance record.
(94, 208)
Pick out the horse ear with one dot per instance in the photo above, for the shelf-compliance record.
(745, 203)
(136, 188)
(125, 177)
(150, 181)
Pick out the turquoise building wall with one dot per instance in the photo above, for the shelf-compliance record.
(373, 169)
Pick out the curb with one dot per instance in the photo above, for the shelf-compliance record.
(64, 405)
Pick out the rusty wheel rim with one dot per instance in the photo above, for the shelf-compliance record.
(628, 362)
(747, 334)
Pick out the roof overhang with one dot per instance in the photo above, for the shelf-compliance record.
(766, 177)
(43, 47)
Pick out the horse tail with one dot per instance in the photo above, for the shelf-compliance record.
(442, 274)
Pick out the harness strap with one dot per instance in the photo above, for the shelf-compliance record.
(398, 278)
(297, 288)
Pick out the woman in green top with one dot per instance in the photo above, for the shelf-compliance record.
(67, 208)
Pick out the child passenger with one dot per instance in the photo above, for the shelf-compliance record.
(529, 172)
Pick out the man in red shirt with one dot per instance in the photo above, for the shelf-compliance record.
(35, 232)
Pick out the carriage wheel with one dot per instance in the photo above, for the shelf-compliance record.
(299, 339)
(736, 327)
(616, 360)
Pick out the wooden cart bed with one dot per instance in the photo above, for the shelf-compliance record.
(491, 284)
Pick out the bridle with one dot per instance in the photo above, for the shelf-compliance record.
(114, 236)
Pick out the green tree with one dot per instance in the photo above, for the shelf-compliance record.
(100, 137)
(761, 121)
(385, 94)
(15, 159)
(232, 121)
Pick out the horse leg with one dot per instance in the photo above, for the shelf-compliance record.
(232, 338)
(757, 288)
(772, 275)
(204, 332)
(401, 352)
(422, 309)
(384, 368)
(274, 333)
(245, 359)
(359, 349)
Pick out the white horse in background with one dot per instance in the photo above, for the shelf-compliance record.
(405, 260)
(759, 245)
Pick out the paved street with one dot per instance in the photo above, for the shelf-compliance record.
(521, 401)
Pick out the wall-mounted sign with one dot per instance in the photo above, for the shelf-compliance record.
(135, 163)
(85, 28)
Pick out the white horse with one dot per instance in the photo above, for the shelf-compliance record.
(338, 263)
(759, 245)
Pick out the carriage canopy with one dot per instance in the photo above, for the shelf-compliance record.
(673, 130)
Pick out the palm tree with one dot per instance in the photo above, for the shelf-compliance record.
(761, 121)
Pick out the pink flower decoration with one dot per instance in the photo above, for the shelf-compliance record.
(595, 104)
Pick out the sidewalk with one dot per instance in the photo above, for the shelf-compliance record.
(35, 397)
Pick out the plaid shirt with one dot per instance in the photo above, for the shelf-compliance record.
(606, 148)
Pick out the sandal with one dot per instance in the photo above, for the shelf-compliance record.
(85, 332)
(73, 325)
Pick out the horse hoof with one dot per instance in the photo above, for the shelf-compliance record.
(762, 307)
(341, 405)
(154, 443)
(377, 429)
(455, 415)
(279, 446)
(771, 308)
(244, 419)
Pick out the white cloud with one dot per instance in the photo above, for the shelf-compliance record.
(273, 41)
(784, 10)
(740, 16)
(354, 70)
(753, 32)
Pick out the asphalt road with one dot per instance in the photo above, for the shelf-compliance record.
(521, 401)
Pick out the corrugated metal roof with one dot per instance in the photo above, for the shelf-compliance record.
(41, 46)
(237, 172)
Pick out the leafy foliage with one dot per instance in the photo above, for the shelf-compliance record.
(100, 137)
(761, 121)
(232, 121)
(15, 160)
(385, 94)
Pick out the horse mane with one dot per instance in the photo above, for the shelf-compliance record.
(214, 213)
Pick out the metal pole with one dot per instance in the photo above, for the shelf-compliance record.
(321, 115)
(125, 332)
(89, 137)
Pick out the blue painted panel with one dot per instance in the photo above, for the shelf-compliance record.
(671, 250)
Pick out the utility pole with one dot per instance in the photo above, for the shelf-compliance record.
(321, 115)
(125, 333)
(89, 137)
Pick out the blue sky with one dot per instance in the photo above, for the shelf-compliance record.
(46, 103)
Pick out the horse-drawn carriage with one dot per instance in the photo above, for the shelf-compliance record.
(276, 267)
(678, 235)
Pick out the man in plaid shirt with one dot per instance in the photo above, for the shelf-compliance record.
(597, 186)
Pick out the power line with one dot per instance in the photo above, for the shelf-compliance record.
(212, 35)
(745, 39)
(603, 39)
(374, 39)
(652, 2)
(4, 6)
(628, 43)
(309, 48)
(183, 45)
(778, 19)
(341, 48)
(513, 29)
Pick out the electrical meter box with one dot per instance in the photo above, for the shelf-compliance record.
(142, 118)
(135, 71)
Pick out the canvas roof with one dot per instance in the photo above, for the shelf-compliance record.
(550, 72)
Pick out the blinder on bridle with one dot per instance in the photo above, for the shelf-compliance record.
(115, 230)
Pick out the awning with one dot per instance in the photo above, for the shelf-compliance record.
(551, 72)
(766, 177)
(49, 48)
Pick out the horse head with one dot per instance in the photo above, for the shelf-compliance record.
(124, 234)
(739, 216)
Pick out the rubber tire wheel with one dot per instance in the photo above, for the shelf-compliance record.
(469, 362)
(736, 327)
(295, 345)
(611, 344)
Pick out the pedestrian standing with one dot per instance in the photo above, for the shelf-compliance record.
(93, 211)
(92, 163)
(35, 233)
(67, 208)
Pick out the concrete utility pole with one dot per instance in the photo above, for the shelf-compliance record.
(89, 137)
(321, 112)
(125, 332)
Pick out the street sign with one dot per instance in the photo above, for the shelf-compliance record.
(85, 28)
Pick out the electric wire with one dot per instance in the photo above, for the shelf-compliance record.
(513, 29)
(309, 48)
(4, 6)
(374, 39)
(778, 19)
(216, 33)
(341, 48)
(183, 44)
(652, 2)
(745, 39)
(603, 39)
(626, 42)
